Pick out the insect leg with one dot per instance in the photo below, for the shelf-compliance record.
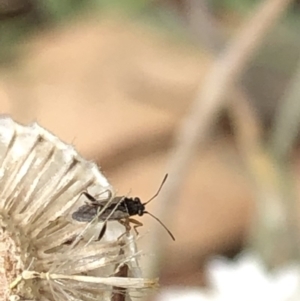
(88, 196)
(136, 224)
(125, 223)
(102, 232)
(92, 199)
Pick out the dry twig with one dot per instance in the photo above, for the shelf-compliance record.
(211, 96)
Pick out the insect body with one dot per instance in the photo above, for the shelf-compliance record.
(119, 209)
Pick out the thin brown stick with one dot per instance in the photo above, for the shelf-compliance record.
(210, 98)
(203, 25)
(274, 231)
(286, 127)
(271, 231)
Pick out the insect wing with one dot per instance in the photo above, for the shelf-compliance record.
(114, 210)
(86, 213)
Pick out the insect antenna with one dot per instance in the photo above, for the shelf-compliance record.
(156, 194)
(159, 189)
(161, 224)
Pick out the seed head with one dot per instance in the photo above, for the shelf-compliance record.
(44, 254)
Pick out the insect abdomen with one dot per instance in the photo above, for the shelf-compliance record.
(87, 213)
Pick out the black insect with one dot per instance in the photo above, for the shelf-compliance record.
(119, 209)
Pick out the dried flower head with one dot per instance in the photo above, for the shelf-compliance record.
(44, 254)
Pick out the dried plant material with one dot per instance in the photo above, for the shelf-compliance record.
(119, 293)
(44, 254)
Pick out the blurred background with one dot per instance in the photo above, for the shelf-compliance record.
(118, 80)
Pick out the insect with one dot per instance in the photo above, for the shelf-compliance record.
(120, 209)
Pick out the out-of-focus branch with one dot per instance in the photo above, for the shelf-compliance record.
(285, 228)
(275, 224)
(211, 96)
(248, 128)
(274, 229)
(203, 25)
(287, 121)
(195, 16)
